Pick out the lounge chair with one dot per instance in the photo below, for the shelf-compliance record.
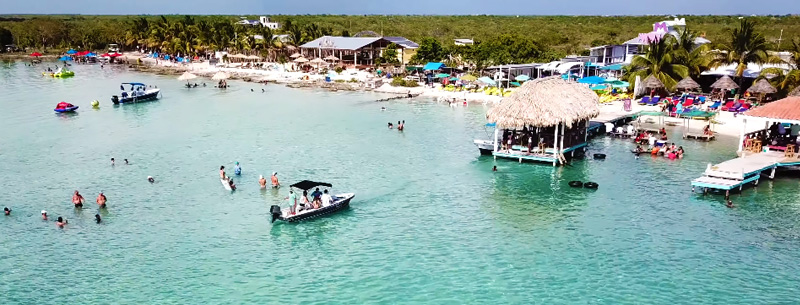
(727, 106)
(644, 100)
(700, 100)
(734, 108)
(744, 108)
(654, 101)
(688, 103)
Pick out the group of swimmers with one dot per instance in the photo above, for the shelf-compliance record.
(670, 151)
(400, 125)
(237, 170)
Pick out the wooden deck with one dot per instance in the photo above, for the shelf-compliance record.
(698, 136)
(520, 154)
(736, 173)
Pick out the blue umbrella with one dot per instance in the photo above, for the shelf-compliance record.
(522, 78)
(65, 58)
(71, 51)
(595, 80)
(91, 54)
(487, 80)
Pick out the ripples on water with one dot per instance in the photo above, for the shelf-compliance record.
(430, 222)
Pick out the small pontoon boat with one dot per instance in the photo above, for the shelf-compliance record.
(138, 93)
(340, 201)
(486, 146)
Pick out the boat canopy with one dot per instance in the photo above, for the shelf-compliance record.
(491, 124)
(134, 84)
(307, 185)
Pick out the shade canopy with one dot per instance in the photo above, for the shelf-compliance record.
(433, 66)
(725, 83)
(65, 58)
(762, 86)
(36, 54)
(307, 185)
(784, 109)
(220, 75)
(522, 78)
(317, 61)
(615, 67)
(71, 51)
(331, 57)
(295, 55)
(301, 59)
(468, 78)
(687, 84)
(546, 102)
(652, 82)
(594, 80)
(487, 80)
(187, 76)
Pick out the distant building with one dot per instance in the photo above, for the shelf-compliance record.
(358, 50)
(624, 53)
(463, 42)
(262, 21)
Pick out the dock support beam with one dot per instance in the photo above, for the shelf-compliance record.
(772, 174)
(555, 145)
(727, 194)
(741, 134)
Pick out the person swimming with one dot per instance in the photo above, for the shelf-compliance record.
(150, 179)
(60, 222)
(112, 161)
(390, 125)
(230, 182)
(494, 168)
(126, 161)
(383, 108)
(44, 215)
(77, 200)
(729, 204)
(401, 125)
(222, 173)
(236, 169)
(262, 181)
(7, 211)
(101, 200)
(97, 218)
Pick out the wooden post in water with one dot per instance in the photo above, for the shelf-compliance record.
(561, 151)
(555, 144)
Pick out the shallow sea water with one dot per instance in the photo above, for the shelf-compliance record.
(430, 223)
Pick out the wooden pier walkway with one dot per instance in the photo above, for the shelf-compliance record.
(738, 172)
(597, 124)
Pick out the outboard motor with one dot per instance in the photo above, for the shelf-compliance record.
(115, 99)
(275, 211)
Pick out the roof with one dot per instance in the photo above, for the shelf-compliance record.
(545, 102)
(402, 42)
(724, 83)
(687, 83)
(762, 86)
(433, 66)
(785, 109)
(652, 82)
(307, 185)
(340, 43)
(795, 92)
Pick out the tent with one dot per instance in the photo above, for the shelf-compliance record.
(594, 80)
(433, 66)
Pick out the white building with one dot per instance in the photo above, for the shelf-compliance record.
(263, 21)
(624, 53)
(463, 42)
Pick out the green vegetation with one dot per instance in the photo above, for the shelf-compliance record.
(400, 82)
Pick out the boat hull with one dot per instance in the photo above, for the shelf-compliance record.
(65, 110)
(342, 201)
(149, 96)
(485, 146)
(226, 185)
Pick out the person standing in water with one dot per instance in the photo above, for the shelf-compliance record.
(7, 211)
(274, 178)
(60, 222)
(236, 169)
(401, 125)
(262, 181)
(101, 200)
(77, 200)
(97, 218)
(44, 215)
(112, 161)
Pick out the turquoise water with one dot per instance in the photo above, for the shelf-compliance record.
(430, 223)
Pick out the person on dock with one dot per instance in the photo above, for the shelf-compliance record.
(222, 173)
(707, 130)
(77, 200)
(274, 178)
(44, 215)
(262, 181)
(237, 170)
(61, 222)
(101, 200)
(7, 211)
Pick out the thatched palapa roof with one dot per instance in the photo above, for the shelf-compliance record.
(795, 92)
(545, 102)
(725, 83)
(687, 84)
(652, 82)
(762, 86)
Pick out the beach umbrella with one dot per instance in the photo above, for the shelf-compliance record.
(515, 84)
(762, 86)
(469, 78)
(296, 55)
(687, 83)
(522, 78)
(331, 57)
(593, 80)
(187, 76)
(725, 83)
(65, 58)
(317, 61)
(115, 54)
(82, 53)
(652, 82)
(105, 55)
(487, 80)
(454, 78)
(36, 54)
(442, 75)
(254, 57)
(71, 51)
(91, 54)
(220, 75)
(301, 60)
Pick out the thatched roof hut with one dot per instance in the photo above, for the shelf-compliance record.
(795, 92)
(687, 84)
(762, 86)
(725, 83)
(546, 102)
(652, 82)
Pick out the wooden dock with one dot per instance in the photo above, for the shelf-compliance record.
(736, 173)
(698, 136)
(597, 125)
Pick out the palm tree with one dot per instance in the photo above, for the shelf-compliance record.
(695, 58)
(659, 62)
(746, 46)
(784, 81)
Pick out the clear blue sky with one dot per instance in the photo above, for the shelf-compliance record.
(402, 7)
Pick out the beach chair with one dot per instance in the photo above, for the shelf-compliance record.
(644, 100)
(735, 107)
(744, 108)
(700, 100)
(727, 106)
(688, 103)
(654, 101)
(715, 105)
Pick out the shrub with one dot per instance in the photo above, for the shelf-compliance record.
(338, 70)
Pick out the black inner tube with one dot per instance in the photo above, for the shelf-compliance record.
(575, 183)
(590, 185)
(599, 156)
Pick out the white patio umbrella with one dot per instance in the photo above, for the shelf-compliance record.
(317, 61)
(187, 76)
(295, 55)
(331, 57)
(220, 75)
(301, 60)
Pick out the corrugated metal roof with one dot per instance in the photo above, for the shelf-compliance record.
(340, 43)
(403, 42)
(785, 109)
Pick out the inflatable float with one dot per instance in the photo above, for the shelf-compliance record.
(65, 107)
(60, 74)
